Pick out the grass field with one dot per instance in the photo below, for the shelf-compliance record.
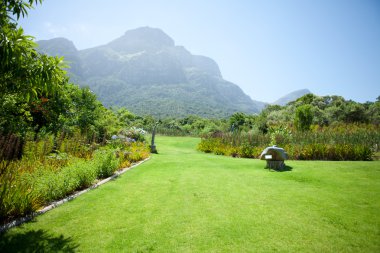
(183, 200)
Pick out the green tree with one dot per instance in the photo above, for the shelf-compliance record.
(237, 120)
(355, 112)
(261, 121)
(305, 100)
(26, 77)
(374, 112)
(303, 117)
(125, 116)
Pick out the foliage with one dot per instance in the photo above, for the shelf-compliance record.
(191, 125)
(331, 152)
(279, 135)
(50, 130)
(136, 134)
(41, 176)
(337, 142)
(36, 96)
(53, 133)
(16, 197)
(303, 117)
(202, 203)
(105, 162)
(27, 78)
(10, 8)
(311, 128)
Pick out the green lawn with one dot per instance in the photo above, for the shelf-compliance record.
(186, 201)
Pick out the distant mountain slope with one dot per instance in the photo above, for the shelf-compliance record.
(291, 97)
(66, 48)
(146, 72)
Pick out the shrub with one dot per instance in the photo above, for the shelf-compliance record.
(207, 145)
(17, 197)
(105, 162)
(38, 149)
(124, 163)
(137, 151)
(246, 150)
(137, 134)
(280, 135)
(52, 185)
(325, 151)
(85, 173)
(338, 142)
(303, 117)
(221, 149)
(35, 180)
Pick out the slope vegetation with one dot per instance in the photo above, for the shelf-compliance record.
(146, 72)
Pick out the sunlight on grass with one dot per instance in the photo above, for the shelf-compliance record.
(185, 201)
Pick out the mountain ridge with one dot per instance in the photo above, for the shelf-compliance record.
(147, 73)
(291, 97)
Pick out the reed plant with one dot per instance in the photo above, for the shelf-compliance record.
(49, 172)
(337, 142)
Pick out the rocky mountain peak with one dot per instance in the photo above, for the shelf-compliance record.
(56, 46)
(146, 72)
(142, 39)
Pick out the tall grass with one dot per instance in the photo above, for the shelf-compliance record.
(338, 142)
(167, 131)
(42, 176)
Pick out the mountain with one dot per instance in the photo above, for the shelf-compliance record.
(147, 73)
(66, 48)
(291, 97)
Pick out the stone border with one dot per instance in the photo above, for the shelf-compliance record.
(55, 204)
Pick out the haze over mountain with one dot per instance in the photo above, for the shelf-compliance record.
(146, 72)
(291, 97)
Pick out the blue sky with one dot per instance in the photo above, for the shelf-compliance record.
(269, 48)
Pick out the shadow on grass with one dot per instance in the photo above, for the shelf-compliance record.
(285, 169)
(36, 241)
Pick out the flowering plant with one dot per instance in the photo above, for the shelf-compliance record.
(137, 134)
